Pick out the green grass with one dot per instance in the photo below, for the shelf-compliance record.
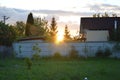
(94, 69)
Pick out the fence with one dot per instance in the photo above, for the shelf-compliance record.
(25, 48)
(5, 51)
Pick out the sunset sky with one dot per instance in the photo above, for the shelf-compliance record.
(66, 12)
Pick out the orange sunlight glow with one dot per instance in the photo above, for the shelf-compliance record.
(60, 39)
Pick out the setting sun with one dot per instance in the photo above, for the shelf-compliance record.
(60, 38)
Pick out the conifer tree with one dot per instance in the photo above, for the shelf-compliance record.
(53, 29)
(29, 23)
(66, 34)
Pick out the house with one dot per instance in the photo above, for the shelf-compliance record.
(98, 28)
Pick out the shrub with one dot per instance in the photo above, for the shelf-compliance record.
(57, 55)
(37, 50)
(107, 52)
(99, 53)
(73, 53)
(35, 57)
(28, 63)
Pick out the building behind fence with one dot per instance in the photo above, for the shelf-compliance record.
(25, 48)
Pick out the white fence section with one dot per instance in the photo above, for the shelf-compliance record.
(25, 48)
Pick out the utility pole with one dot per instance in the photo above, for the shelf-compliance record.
(5, 18)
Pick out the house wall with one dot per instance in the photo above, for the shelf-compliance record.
(97, 35)
(25, 49)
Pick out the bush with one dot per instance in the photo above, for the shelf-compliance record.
(37, 51)
(99, 53)
(35, 57)
(73, 53)
(57, 55)
(28, 63)
(107, 52)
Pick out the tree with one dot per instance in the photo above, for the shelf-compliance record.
(20, 28)
(98, 15)
(29, 24)
(53, 29)
(114, 15)
(7, 34)
(66, 34)
(94, 15)
(41, 27)
(104, 15)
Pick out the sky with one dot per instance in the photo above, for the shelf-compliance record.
(66, 12)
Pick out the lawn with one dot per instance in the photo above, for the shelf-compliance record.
(93, 69)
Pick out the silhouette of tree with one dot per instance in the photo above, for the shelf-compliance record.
(66, 34)
(104, 15)
(29, 24)
(53, 29)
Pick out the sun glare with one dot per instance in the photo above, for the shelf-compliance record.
(59, 38)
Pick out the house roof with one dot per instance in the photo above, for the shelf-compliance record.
(101, 23)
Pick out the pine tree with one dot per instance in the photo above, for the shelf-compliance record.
(29, 23)
(53, 29)
(66, 34)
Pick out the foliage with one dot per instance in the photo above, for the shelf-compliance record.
(73, 53)
(7, 34)
(104, 15)
(107, 52)
(20, 29)
(36, 48)
(53, 30)
(37, 27)
(28, 63)
(36, 57)
(67, 34)
(37, 51)
(29, 24)
(57, 55)
(41, 27)
(99, 53)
